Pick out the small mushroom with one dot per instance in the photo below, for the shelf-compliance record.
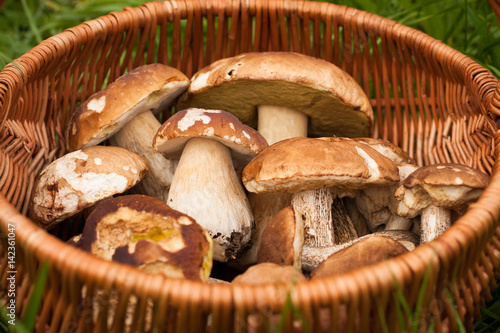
(268, 272)
(312, 169)
(205, 185)
(144, 232)
(124, 112)
(365, 252)
(312, 257)
(79, 179)
(282, 240)
(438, 189)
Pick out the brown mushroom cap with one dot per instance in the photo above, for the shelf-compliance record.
(244, 141)
(268, 272)
(79, 179)
(334, 102)
(301, 164)
(444, 185)
(366, 252)
(143, 231)
(149, 87)
(281, 241)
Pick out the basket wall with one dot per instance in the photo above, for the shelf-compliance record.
(431, 100)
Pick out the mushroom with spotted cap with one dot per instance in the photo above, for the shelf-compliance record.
(125, 112)
(205, 185)
(437, 189)
(79, 179)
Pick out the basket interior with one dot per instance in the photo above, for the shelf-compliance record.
(429, 99)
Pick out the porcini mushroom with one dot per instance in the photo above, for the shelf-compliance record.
(436, 190)
(79, 179)
(292, 93)
(144, 232)
(312, 169)
(205, 185)
(124, 112)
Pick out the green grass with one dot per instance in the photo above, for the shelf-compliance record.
(469, 26)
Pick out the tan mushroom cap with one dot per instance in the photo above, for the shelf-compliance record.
(147, 88)
(334, 102)
(444, 185)
(368, 251)
(300, 164)
(268, 272)
(142, 231)
(79, 179)
(244, 141)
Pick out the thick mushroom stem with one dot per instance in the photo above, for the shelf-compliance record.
(434, 221)
(205, 187)
(314, 208)
(277, 123)
(137, 136)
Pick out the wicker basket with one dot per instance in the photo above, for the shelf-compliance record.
(431, 100)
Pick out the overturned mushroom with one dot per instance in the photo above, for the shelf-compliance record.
(205, 184)
(314, 256)
(142, 231)
(436, 190)
(367, 251)
(79, 179)
(124, 112)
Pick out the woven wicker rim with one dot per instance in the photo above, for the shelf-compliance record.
(458, 239)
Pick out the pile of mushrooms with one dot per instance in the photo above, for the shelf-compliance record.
(205, 196)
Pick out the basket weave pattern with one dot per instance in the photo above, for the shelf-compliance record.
(434, 102)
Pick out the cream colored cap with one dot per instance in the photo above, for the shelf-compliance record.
(79, 179)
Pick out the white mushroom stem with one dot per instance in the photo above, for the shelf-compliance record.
(434, 221)
(205, 187)
(277, 123)
(313, 256)
(137, 136)
(314, 207)
(396, 222)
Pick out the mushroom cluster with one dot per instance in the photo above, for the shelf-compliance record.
(265, 173)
